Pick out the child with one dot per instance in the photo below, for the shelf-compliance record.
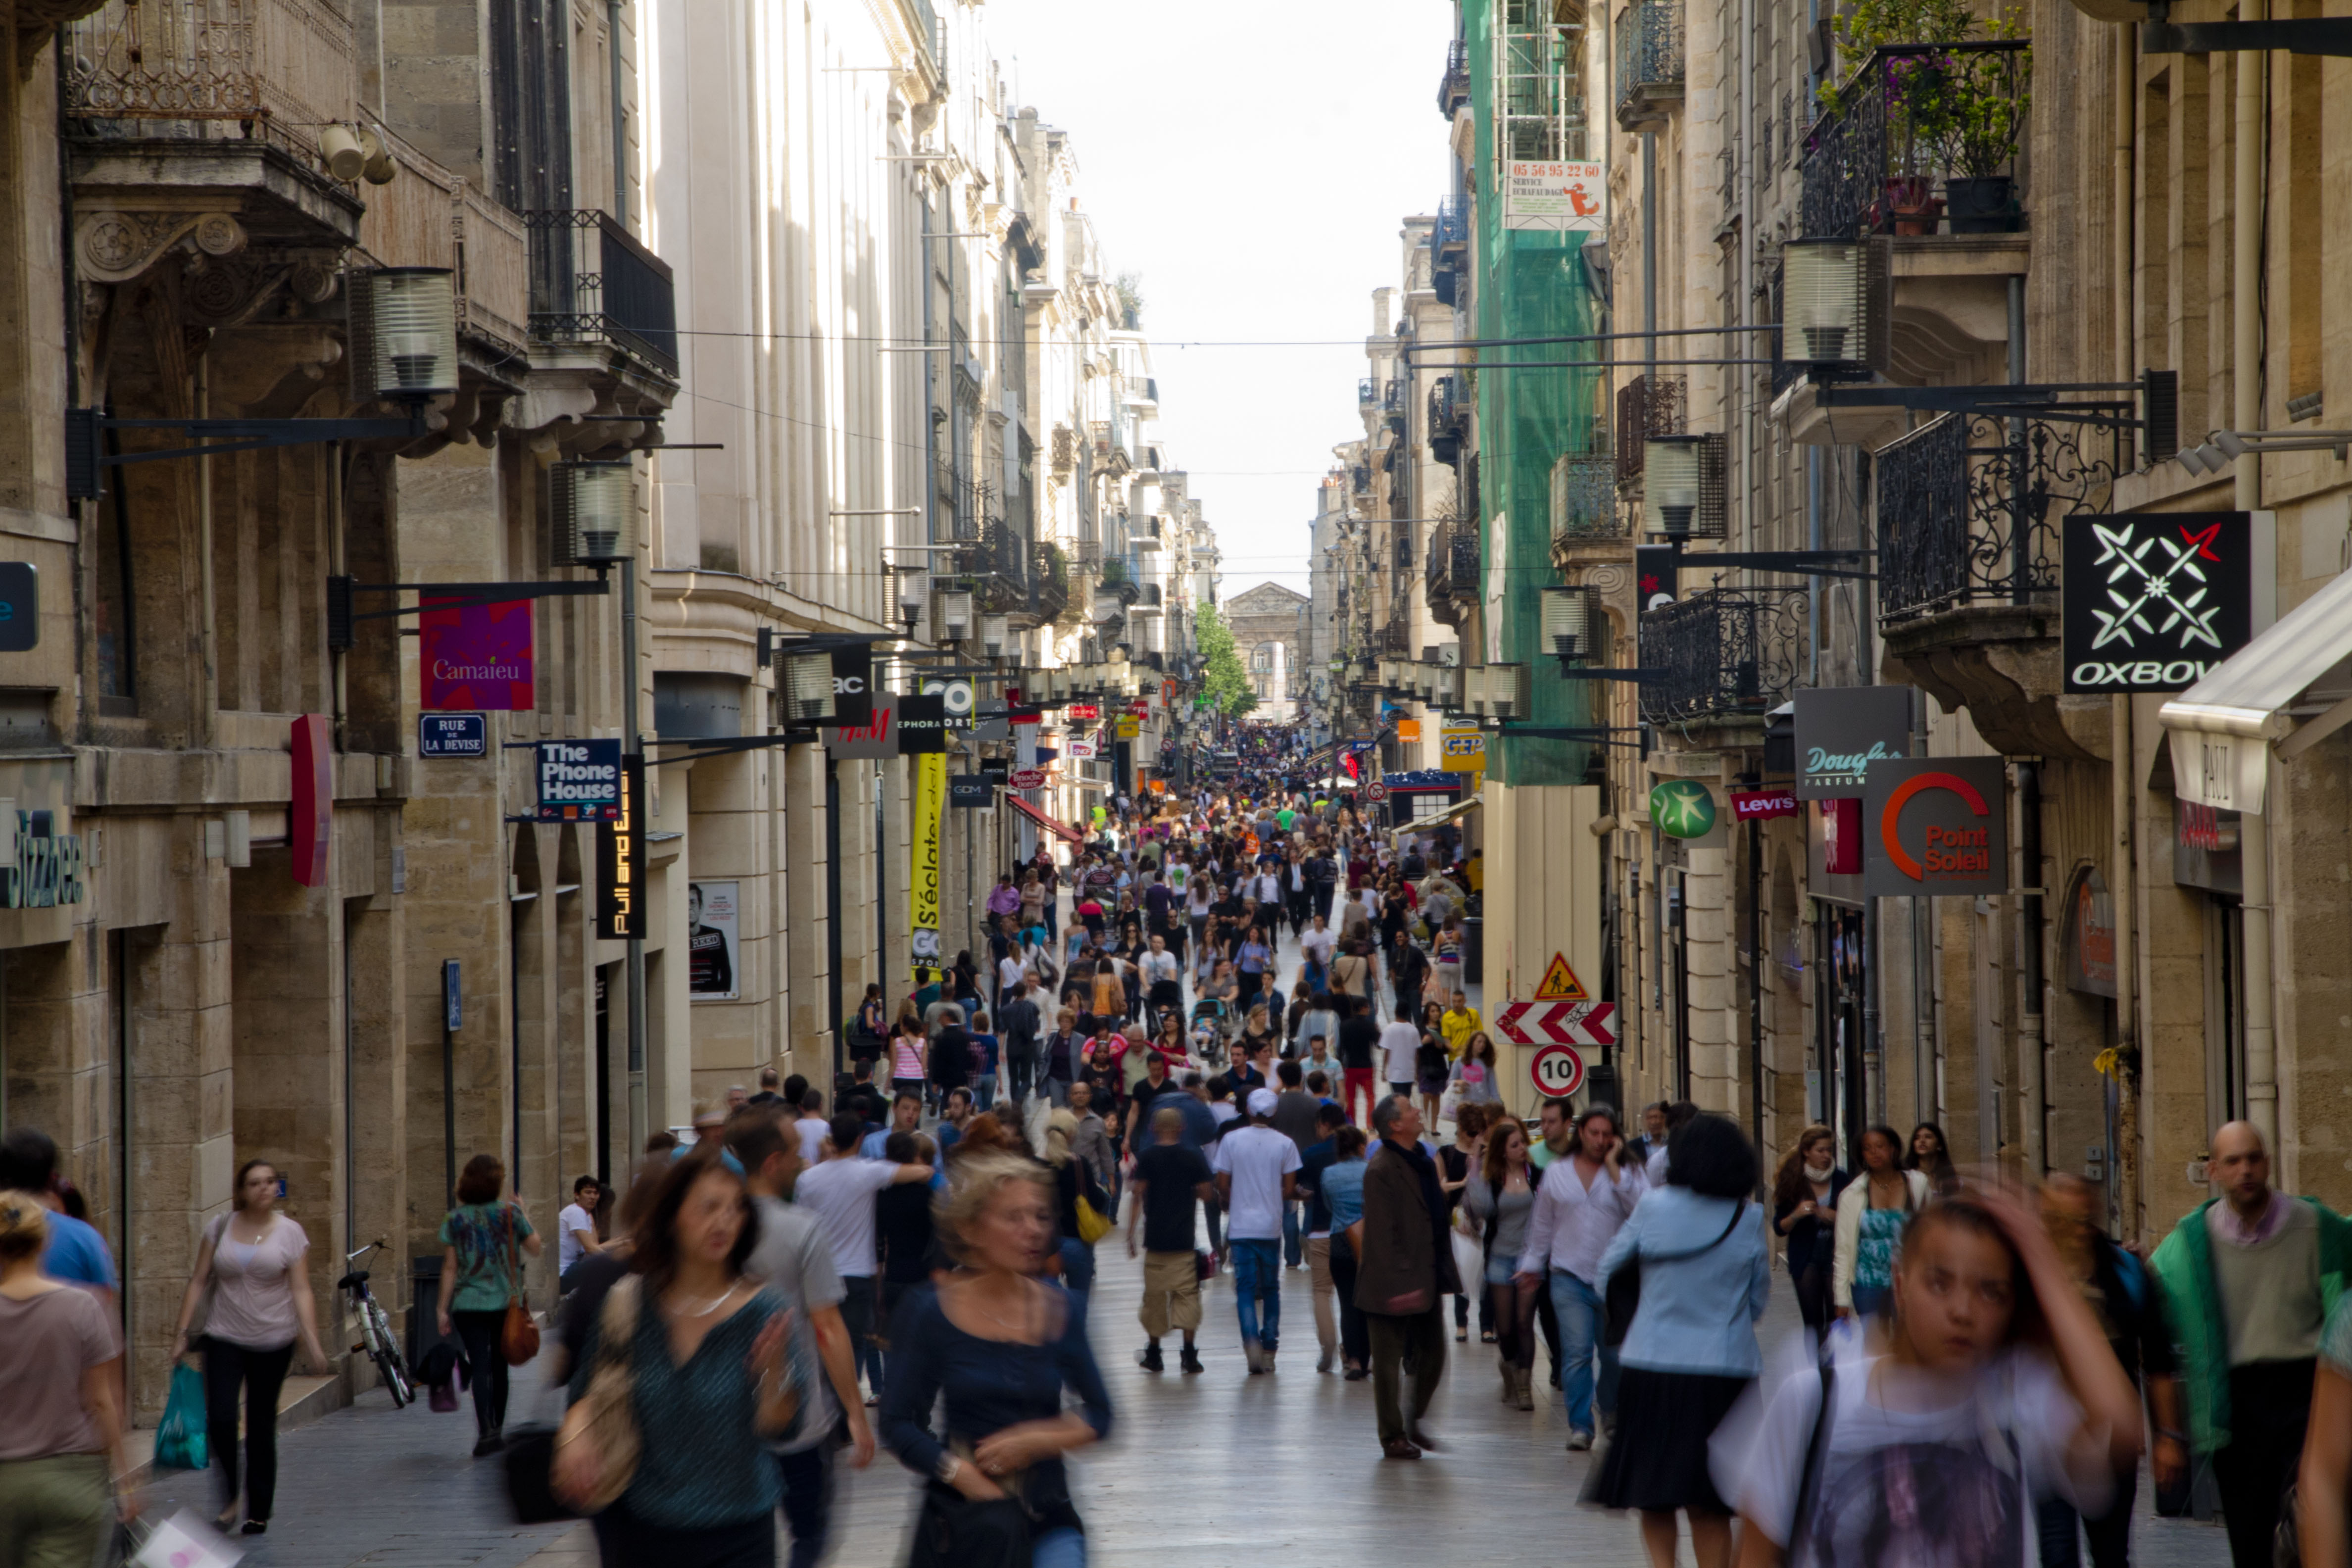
(1991, 1388)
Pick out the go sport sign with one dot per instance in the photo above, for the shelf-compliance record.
(2153, 601)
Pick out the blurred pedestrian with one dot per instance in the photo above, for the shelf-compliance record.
(1580, 1209)
(1500, 1200)
(1169, 1184)
(483, 1242)
(1257, 1179)
(1932, 1157)
(1075, 1183)
(1009, 1356)
(61, 1446)
(253, 1261)
(1691, 1351)
(1871, 1213)
(703, 1490)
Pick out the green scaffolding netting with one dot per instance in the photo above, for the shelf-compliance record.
(1527, 283)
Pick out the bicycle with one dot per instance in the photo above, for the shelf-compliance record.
(376, 1337)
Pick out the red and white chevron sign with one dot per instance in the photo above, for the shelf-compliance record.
(1560, 1023)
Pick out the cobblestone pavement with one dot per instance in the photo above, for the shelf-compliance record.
(1204, 1471)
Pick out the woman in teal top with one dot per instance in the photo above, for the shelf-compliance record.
(1871, 1213)
(482, 1245)
(713, 1374)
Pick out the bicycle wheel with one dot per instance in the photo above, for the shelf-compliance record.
(383, 1350)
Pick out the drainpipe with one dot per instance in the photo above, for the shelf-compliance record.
(620, 124)
(2123, 885)
(1650, 262)
(2034, 1104)
(2246, 378)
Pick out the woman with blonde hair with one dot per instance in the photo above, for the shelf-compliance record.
(1004, 1349)
(62, 1445)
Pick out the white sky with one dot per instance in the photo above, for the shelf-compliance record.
(1250, 160)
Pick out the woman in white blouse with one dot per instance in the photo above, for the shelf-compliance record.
(252, 1260)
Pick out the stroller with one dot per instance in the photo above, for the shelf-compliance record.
(1213, 1020)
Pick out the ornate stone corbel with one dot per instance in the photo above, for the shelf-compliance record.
(114, 245)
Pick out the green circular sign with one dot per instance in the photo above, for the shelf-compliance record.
(1683, 808)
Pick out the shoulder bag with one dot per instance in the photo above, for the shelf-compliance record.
(605, 1418)
(518, 1336)
(1624, 1294)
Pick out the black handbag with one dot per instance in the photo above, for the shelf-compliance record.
(530, 1459)
(1623, 1297)
(957, 1531)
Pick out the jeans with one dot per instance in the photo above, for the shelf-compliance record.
(2110, 1536)
(1077, 1264)
(481, 1332)
(1579, 1308)
(2271, 1404)
(261, 1373)
(1257, 1290)
(1293, 1253)
(1062, 1548)
(808, 1500)
(983, 1090)
(858, 1319)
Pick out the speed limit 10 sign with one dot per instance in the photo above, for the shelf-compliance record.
(1558, 1072)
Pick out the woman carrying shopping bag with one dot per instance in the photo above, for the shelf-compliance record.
(481, 1278)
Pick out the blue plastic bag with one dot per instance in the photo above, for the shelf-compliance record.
(180, 1437)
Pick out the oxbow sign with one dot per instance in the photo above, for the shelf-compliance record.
(2153, 601)
(1935, 825)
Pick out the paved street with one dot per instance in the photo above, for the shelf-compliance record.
(1203, 1472)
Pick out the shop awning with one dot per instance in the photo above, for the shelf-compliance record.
(1062, 829)
(2289, 688)
(1454, 812)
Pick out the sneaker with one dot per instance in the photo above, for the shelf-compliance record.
(1579, 1442)
(1190, 1361)
(1255, 1355)
(1149, 1359)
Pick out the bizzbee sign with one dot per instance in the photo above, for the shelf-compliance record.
(2153, 601)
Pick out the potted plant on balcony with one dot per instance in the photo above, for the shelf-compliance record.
(1986, 97)
(1914, 97)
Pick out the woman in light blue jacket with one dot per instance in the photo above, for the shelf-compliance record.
(1691, 1351)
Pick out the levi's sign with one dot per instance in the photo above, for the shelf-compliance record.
(2153, 601)
(1935, 825)
(580, 780)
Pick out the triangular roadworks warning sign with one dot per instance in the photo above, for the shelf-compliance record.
(1561, 984)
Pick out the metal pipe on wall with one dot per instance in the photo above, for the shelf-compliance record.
(2122, 892)
(2034, 1100)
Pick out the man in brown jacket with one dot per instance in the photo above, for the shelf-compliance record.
(1404, 1273)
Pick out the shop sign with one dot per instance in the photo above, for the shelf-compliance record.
(1843, 730)
(2091, 936)
(872, 740)
(1461, 749)
(48, 869)
(1762, 804)
(20, 606)
(1553, 196)
(2153, 601)
(453, 735)
(1126, 729)
(310, 814)
(2205, 849)
(476, 655)
(957, 700)
(579, 781)
(620, 859)
(1082, 748)
(1841, 837)
(1682, 808)
(922, 724)
(971, 791)
(853, 686)
(923, 904)
(1080, 710)
(1935, 825)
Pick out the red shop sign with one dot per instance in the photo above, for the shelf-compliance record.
(1762, 804)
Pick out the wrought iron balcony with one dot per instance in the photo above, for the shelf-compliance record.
(1584, 497)
(1722, 653)
(1454, 86)
(1396, 636)
(592, 286)
(1449, 416)
(1359, 478)
(1648, 407)
(1402, 546)
(1049, 583)
(1368, 392)
(1000, 562)
(201, 70)
(1118, 580)
(1896, 135)
(1969, 509)
(1649, 63)
(1452, 230)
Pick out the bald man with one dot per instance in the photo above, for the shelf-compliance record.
(2250, 1277)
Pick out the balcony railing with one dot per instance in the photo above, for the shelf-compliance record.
(1403, 550)
(1722, 653)
(1453, 222)
(1876, 160)
(1454, 86)
(433, 218)
(592, 284)
(1649, 63)
(1969, 509)
(1001, 564)
(1049, 583)
(1368, 392)
(285, 66)
(1648, 407)
(1584, 497)
(1449, 416)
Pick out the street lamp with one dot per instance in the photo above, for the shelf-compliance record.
(955, 614)
(808, 687)
(1570, 617)
(413, 321)
(593, 503)
(1670, 484)
(1824, 300)
(914, 593)
(1508, 694)
(994, 632)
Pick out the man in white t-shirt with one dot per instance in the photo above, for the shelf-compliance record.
(813, 1128)
(1398, 1041)
(1161, 986)
(1315, 944)
(575, 1228)
(839, 1194)
(1256, 1169)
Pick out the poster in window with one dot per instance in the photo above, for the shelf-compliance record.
(713, 942)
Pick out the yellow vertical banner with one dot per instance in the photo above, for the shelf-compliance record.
(923, 905)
